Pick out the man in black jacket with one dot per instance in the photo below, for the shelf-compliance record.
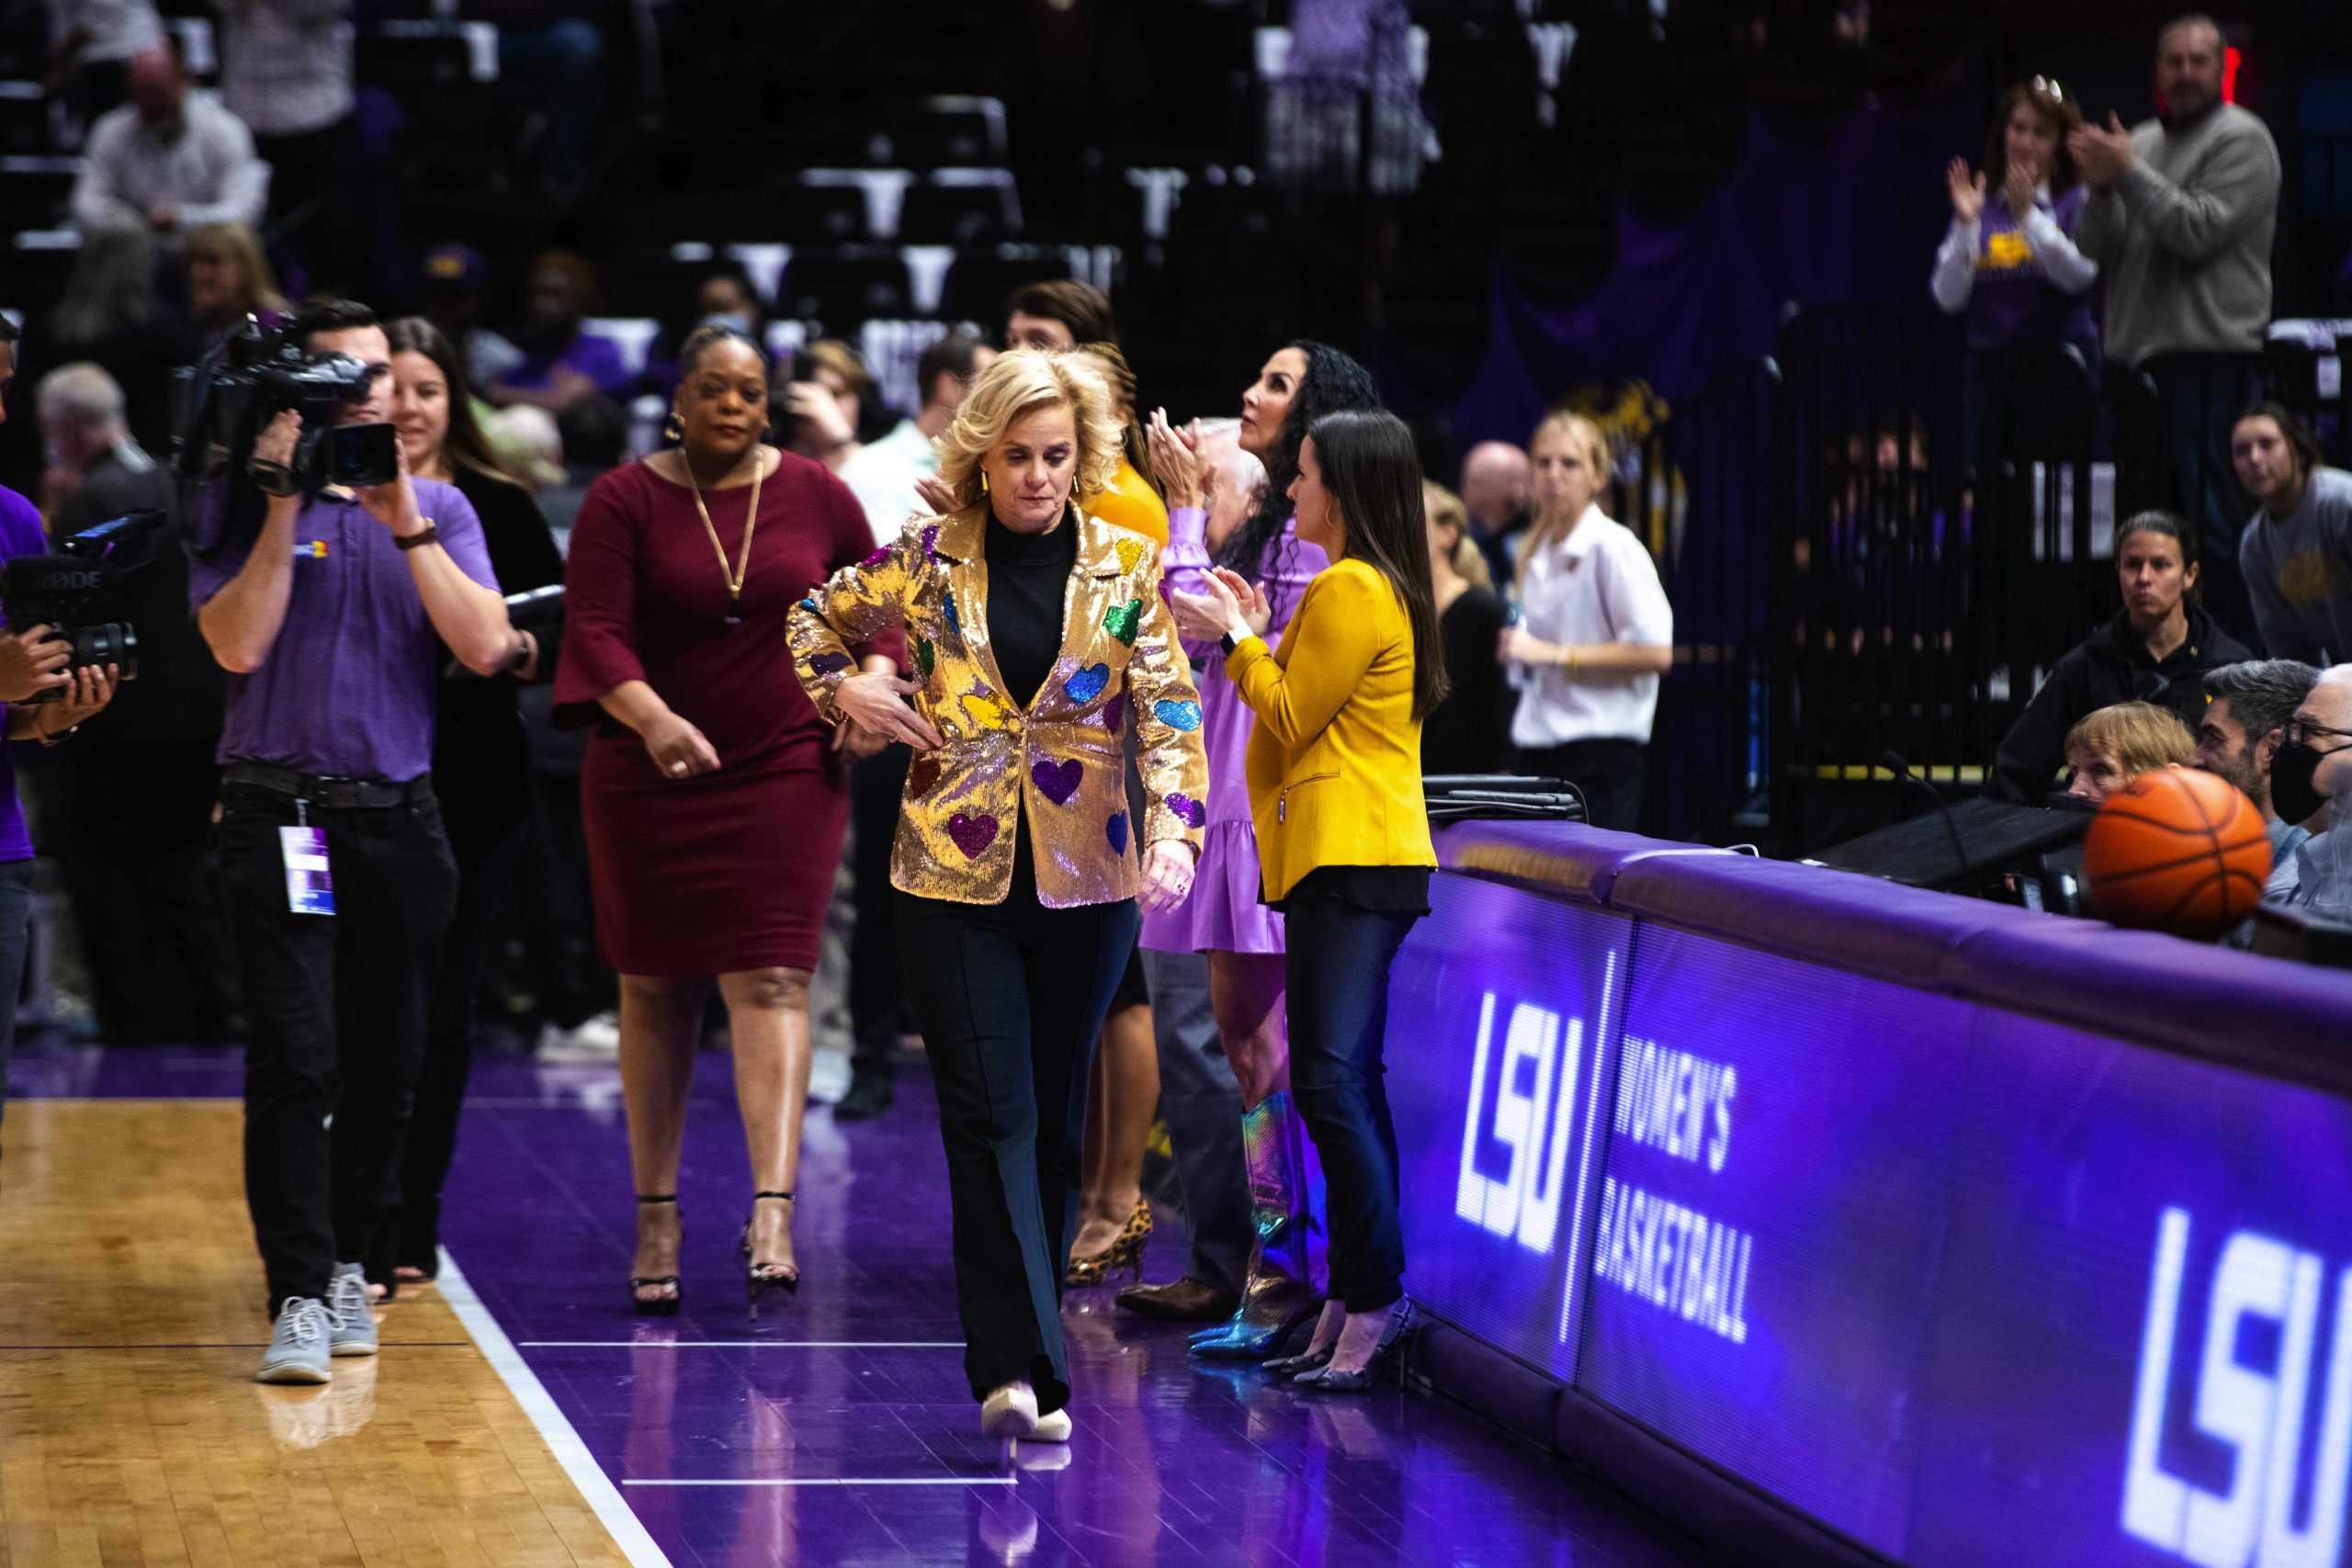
(140, 779)
(2156, 650)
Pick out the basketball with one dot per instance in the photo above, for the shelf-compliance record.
(2178, 849)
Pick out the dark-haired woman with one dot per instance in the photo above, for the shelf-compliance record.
(1299, 384)
(2156, 650)
(713, 802)
(2296, 554)
(480, 760)
(1343, 835)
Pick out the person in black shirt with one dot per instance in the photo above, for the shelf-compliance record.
(141, 782)
(1469, 732)
(481, 764)
(2156, 650)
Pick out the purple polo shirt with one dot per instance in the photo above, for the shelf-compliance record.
(20, 535)
(350, 687)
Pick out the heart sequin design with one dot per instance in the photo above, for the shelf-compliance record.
(1088, 684)
(1130, 552)
(877, 558)
(931, 542)
(1057, 780)
(972, 834)
(811, 605)
(1115, 713)
(947, 610)
(1123, 621)
(925, 655)
(987, 713)
(827, 663)
(922, 775)
(1178, 714)
(1116, 829)
(1187, 810)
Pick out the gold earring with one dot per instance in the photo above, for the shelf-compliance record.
(984, 481)
(673, 428)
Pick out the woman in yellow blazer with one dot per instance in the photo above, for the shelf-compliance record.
(1037, 636)
(1343, 837)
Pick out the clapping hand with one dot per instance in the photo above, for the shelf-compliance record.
(2019, 187)
(1227, 603)
(1176, 459)
(936, 495)
(2102, 155)
(1967, 192)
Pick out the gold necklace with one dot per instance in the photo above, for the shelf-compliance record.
(743, 566)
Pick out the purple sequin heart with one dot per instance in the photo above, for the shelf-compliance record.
(1115, 713)
(972, 834)
(1187, 810)
(1116, 829)
(877, 558)
(931, 542)
(1057, 780)
(827, 664)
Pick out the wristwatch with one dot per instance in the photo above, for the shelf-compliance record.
(521, 654)
(428, 535)
(1227, 643)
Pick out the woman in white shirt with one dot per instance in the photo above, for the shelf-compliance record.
(1594, 631)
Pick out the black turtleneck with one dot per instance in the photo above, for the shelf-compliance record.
(1028, 577)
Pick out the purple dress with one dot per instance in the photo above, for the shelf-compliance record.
(1223, 913)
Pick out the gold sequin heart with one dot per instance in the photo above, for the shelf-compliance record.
(1130, 552)
(985, 711)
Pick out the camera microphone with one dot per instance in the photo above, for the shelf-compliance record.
(1894, 762)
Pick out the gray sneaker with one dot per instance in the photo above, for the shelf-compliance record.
(350, 1316)
(298, 1344)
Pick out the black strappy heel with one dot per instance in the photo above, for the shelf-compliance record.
(661, 1305)
(759, 1279)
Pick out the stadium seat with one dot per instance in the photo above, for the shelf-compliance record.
(842, 205)
(844, 285)
(981, 278)
(948, 132)
(38, 193)
(24, 119)
(962, 207)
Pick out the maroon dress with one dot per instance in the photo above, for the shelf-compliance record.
(730, 870)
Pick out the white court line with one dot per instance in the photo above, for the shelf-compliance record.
(844, 1481)
(603, 1497)
(743, 1344)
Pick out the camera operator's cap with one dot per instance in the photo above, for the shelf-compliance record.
(454, 267)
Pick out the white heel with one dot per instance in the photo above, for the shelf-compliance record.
(1009, 1412)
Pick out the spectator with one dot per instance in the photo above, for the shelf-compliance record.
(882, 474)
(229, 278)
(2180, 221)
(171, 159)
(140, 780)
(2296, 555)
(286, 71)
(563, 361)
(456, 294)
(110, 314)
(594, 436)
(726, 294)
(1597, 634)
(2010, 260)
(1495, 489)
(94, 41)
(1469, 730)
(1058, 315)
(2108, 748)
(2247, 707)
(2157, 649)
(1133, 500)
(32, 665)
(2310, 779)
(827, 402)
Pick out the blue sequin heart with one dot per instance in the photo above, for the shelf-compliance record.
(827, 664)
(1088, 684)
(811, 605)
(947, 608)
(1178, 714)
(1116, 829)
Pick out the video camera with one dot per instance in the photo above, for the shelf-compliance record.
(250, 378)
(79, 591)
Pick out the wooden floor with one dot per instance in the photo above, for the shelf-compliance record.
(131, 1318)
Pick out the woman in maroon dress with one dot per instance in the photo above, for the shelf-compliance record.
(714, 807)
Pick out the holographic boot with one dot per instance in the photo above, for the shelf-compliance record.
(1277, 1293)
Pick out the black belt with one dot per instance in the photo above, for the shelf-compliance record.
(330, 793)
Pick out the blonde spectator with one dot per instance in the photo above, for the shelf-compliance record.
(2112, 746)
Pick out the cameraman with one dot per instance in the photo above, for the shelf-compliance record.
(31, 663)
(331, 624)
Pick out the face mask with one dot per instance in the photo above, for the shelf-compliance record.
(740, 319)
(2294, 790)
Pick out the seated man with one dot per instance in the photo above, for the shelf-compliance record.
(172, 159)
(2112, 746)
(2310, 777)
(2246, 711)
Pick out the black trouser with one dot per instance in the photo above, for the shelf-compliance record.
(1609, 772)
(16, 937)
(334, 1016)
(139, 865)
(485, 871)
(1337, 970)
(1010, 998)
(876, 1011)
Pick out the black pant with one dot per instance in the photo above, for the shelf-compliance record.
(486, 872)
(334, 1014)
(1609, 772)
(1010, 998)
(1337, 969)
(876, 1011)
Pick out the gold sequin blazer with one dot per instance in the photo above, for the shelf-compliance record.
(1059, 759)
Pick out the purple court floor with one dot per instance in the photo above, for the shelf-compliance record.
(837, 1428)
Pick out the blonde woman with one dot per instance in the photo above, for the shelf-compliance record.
(1469, 730)
(2111, 747)
(1594, 631)
(229, 278)
(1036, 635)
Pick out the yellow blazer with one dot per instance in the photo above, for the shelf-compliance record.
(1058, 757)
(1335, 757)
